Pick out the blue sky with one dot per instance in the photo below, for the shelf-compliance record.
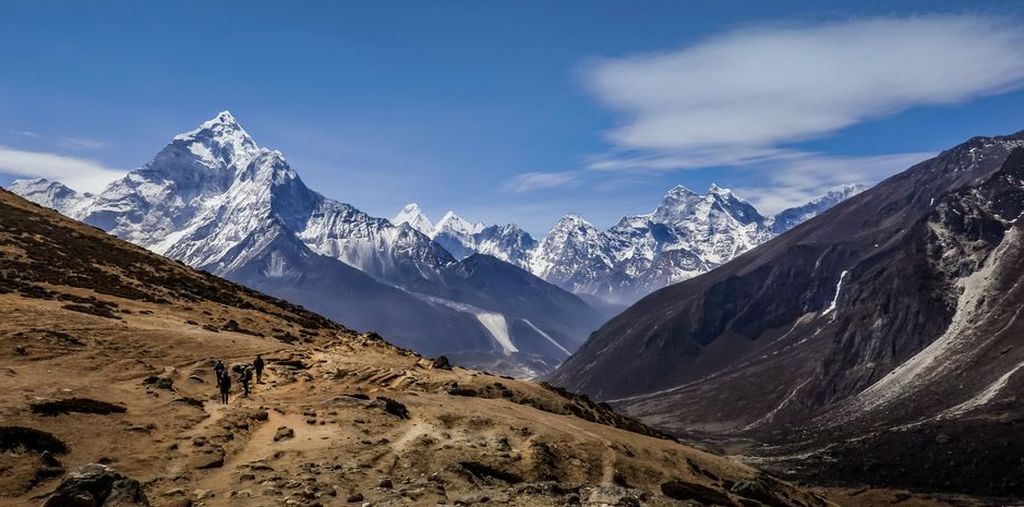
(515, 111)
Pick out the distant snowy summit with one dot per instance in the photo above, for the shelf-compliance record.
(216, 200)
(202, 194)
(687, 234)
(412, 214)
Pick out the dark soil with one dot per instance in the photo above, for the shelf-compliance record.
(79, 405)
(14, 438)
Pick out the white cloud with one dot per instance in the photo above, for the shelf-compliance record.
(82, 143)
(795, 178)
(768, 86)
(743, 99)
(80, 174)
(26, 133)
(530, 181)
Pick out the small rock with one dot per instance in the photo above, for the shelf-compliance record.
(503, 445)
(20, 350)
(214, 458)
(393, 407)
(284, 433)
(159, 381)
(355, 497)
(243, 493)
(259, 465)
(614, 495)
(679, 490)
(174, 492)
(385, 484)
(49, 459)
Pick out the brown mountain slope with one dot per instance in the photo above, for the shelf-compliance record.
(105, 356)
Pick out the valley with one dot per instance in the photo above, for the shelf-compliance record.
(216, 200)
(512, 254)
(887, 356)
(107, 362)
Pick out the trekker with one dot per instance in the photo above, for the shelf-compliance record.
(258, 365)
(224, 381)
(245, 377)
(218, 370)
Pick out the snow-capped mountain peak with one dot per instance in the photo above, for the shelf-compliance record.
(412, 214)
(48, 193)
(223, 124)
(791, 217)
(218, 143)
(717, 190)
(212, 187)
(453, 223)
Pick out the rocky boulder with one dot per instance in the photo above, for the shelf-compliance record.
(96, 485)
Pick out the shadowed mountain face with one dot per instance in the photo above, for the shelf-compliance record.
(887, 324)
(107, 352)
(217, 201)
(282, 265)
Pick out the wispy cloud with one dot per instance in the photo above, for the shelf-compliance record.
(745, 98)
(82, 143)
(78, 173)
(766, 86)
(530, 181)
(26, 133)
(798, 177)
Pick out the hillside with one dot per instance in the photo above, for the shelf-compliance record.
(106, 358)
(878, 342)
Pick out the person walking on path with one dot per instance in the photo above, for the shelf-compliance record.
(245, 377)
(258, 366)
(224, 381)
(218, 370)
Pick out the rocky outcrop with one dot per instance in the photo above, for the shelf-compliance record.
(96, 485)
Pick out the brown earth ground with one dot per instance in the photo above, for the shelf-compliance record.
(469, 435)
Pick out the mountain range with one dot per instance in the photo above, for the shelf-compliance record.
(217, 201)
(490, 297)
(686, 235)
(879, 342)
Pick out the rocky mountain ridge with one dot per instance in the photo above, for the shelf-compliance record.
(215, 200)
(883, 331)
(687, 234)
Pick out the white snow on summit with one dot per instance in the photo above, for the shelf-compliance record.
(685, 235)
(412, 214)
(213, 190)
(454, 224)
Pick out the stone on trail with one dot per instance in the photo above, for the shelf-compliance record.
(284, 433)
